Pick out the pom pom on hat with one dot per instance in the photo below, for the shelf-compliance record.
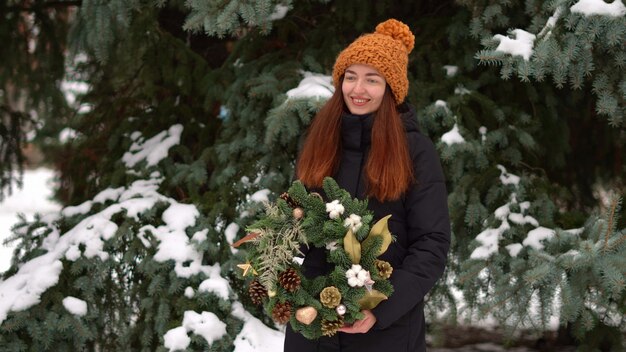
(387, 50)
(398, 31)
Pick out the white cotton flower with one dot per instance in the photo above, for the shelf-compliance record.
(334, 209)
(350, 274)
(357, 276)
(353, 281)
(353, 222)
(364, 279)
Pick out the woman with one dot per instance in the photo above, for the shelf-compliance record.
(367, 138)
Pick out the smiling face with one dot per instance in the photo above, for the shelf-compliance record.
(363, 89)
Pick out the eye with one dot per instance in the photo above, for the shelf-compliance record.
(350, 78)
(372, 80)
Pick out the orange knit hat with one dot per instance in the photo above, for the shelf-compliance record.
(387, 50)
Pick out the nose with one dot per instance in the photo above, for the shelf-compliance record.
(358, 87)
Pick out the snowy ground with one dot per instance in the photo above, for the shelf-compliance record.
(32, 198)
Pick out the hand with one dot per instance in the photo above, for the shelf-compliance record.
(360, 326)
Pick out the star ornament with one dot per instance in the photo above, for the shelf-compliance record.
(247, 267)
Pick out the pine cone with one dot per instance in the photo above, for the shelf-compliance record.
(281, 312)
(330, 327)
(287, 198)
(384, 269)
(330, 297)
(290, 280)
(257, 292)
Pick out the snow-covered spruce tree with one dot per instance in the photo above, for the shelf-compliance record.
(135, 264)
(528, 267)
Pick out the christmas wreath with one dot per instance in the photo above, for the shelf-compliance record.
(319, 306)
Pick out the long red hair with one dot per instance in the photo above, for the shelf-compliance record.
(388, 171)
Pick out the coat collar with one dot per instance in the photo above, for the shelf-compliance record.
(356, 131)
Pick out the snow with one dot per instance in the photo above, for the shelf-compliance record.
(453, 136)
(279, 12)
(255, 336)
(67, 134)
(83, 208)
(313, 85)
(108, 194)
(215, 283)
(174, 244)
(576, 231)
(522, 42)
(442, 104)
(72, 253)
(451, 70)
(176, 339)
(231, 233)
(200, 236)
(460, 90)
(551, 22)
(102, 197)
(523, 219)
(489, 238)
(33, 197)
(189, 292)
(507, 178)
(207, 325)
(599, 7)
(514, 249)
(154, 149)
(534, 237)
(260, 196)
(522, 45)
(180, 216)
(71, 89)
(24, 288)
(483, 133)
(75, 306)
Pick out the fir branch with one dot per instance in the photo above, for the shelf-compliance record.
(512, 294)
(281, 243)
(471, 275)
(619, 242)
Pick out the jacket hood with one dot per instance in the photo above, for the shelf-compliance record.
(409, 117)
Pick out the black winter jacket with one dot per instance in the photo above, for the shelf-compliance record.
(421, 225)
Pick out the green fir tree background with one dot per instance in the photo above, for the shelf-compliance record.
(533, 150)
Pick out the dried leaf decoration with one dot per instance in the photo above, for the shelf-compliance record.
(371, 299)
(352, 246)
(249, 237)
(380, 229)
